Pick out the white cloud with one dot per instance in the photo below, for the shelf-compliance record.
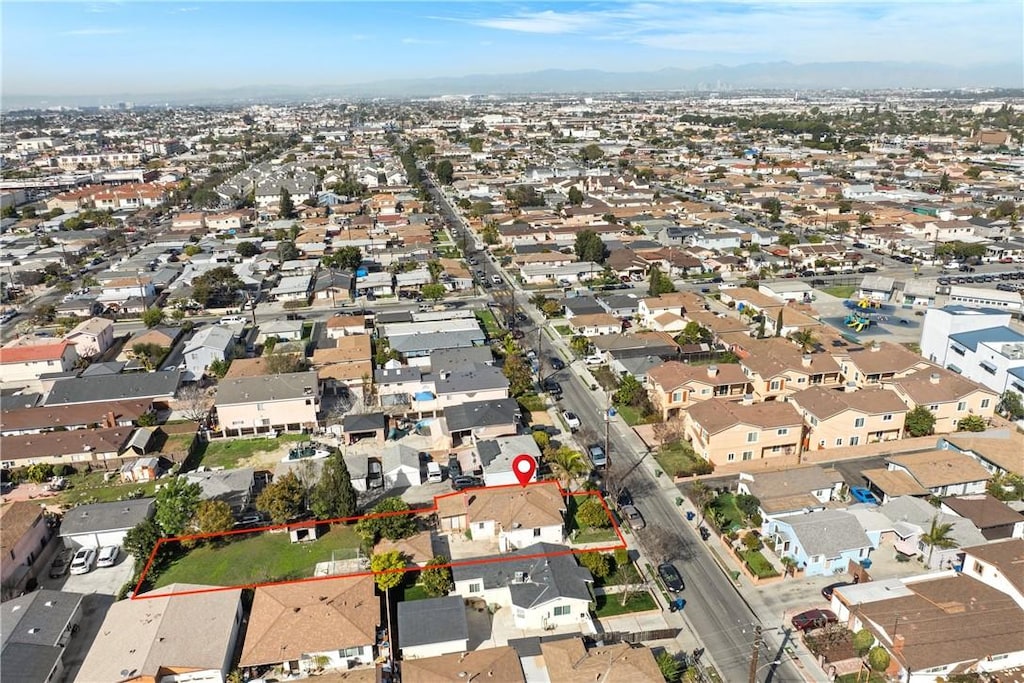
(548, 22)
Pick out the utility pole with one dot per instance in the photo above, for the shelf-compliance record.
(753, 654)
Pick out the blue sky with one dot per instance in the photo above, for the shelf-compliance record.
(139, 46)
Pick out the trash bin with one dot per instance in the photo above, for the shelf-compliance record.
(866, 563)
(690, 516)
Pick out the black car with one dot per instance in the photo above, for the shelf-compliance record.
(859, 245)
(556, 363)
(466, 482)
(454, 467)
(552, 387)
(670, 577)
(868, 269)
(818, 282)
(625, 497)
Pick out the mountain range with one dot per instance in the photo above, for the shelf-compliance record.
(761, 76)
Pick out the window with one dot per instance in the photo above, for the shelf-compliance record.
(854, 440)
(350, 652)
(858, 423)
(775, 385)
(961, 406)
(957, 350)
(705, 392)
(978, 569)
(747, 455)
(814, 421)
(751, 437)
(259, 406)
(782, 432)
(677, 396)
(887, 417)
(475, 587)
(839, 441)
(730, 457)
(933, 407)
(562, 610)
(800, 380)
(536, 533)
(984, 403)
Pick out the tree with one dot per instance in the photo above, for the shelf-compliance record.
(659, 283)
(152, 316)
(938, 536)
(433, 291)
(333, 496)
(282, 499)
(192, 250)
(590, 247)
(596, 563)
(345, 258)
(150, 354)
(216, 287)
(592, 152)
(971, 423)
(920, 421)
(944, 184)
(702, 496)
(285, 206)
(397, 522)
(772, 206)
(580, 345)
(592, 515)
(44, 313)
(490, 234)
(213, 516)
(518, 375)
(140, 541)
(788, 239)
(388, 569)
(445, 172)
(39, 472)
(806, 339)
(480, 209)
(476, 145)
(630, 392)
(575, 196)
(176, 505)
(1010, 404)
(694, 333)
(247, 249)
(669, 666)
(218, 367)
(436, 577)
(567, 465)
(862, 641)
(287, 251)
(879, 658)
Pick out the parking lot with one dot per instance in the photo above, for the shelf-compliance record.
(101, 580)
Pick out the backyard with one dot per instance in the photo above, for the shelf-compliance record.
(724, 512)
(229, 453)
(580, 533)
(611, 605)
(91, 488)
(259, 557)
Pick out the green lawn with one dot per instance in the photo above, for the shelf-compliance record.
(486, 318)
(258, 558)
(595, 536)
(415, 592)
(532, 403)
(632, 416)
(840, 291)
(229, 452)
(632, 576)
(611, 605)
(90, 488)
(758, 564)
(862, 677)
(563, 330)
(678, 459)
(726, 502)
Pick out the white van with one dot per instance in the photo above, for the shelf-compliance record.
(433, 472)
(231, 320)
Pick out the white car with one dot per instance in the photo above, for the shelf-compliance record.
(572, 421)
(594, 359)
(83, 561)
(496, 279)
(108, 556)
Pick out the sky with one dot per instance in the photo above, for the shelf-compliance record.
(138, 46)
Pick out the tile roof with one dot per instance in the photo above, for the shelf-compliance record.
(34, 353)
(289, 620)
(883, 357)
(674, 374)
(937, 385)
(776, 355)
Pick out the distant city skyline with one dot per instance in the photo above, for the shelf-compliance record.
(120, 48)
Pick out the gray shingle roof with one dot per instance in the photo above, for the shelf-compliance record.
(114, 387)
(481, 414)
(98, 517)
(828, 532)
(32, 626)
(363, 422)
(547, 578)
(267, 388)
(471, 378)
(438, 620)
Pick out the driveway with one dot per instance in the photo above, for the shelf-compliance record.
(101, 581)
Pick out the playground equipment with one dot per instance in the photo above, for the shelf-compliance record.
(865, 304)
(857, 322)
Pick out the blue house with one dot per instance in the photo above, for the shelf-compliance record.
(821, 543)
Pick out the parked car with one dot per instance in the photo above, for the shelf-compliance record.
(625, 497)
(250, 520)
(826, 592)
(632, 517)
(594, 359)
(556, 363)
(572, 421)
(670, 577)
(454, 466)
(552, 387)
(813, 618)
(83, 561)
(466, 482)
(864, 495)
(597, 456)
(108, 556)
(59, 566)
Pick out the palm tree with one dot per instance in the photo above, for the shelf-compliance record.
(806, 340)
(568, 466)
(938, 536)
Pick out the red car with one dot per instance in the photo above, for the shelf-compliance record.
(814, 618)
(1006, 259)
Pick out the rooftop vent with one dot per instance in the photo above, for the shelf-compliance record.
(934, 378)
(712, 370)
(806, 360)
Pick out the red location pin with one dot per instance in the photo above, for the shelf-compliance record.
(524, 466)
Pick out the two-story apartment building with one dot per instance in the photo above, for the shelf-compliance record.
(674, 386)
(724, 432)
(208, 345)
(947, 395)
(22, 365)
(878, 362)
(776, 368)
(252, 405)
(840, 417)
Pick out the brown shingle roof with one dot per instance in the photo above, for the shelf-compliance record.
(490, 664)
(569, 661)
(986, 511)
(56, 444)
(775, 356)
(941, 467)
(531, 507)
(716, 415)
(674, 374)
(1007, 453)
(883, 358)
(948, 387)
(16, 519)
(289, 620)
(824, 402)
(48, 417)
(894, 483)
(1007, 555)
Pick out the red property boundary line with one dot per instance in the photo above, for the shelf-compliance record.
(312, 523)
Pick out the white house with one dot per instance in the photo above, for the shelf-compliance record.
(101, 524)
(209, 344)
(20, 365)
(92, 337)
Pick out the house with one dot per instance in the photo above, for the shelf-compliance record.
(400, 466)
(432, 627)
(821, 543)
(333, 286)
(254, 405)
(345, 325)
(36, 420)
(541, 585)
(97, 448)
(981, 605)
(488, 664)
(724, 431)
(677, 303)
(158, 387)
(171, 632)
(849, 417)
(674, 386)
(877, 363)
(777, 367)
(347, 366)
(595, 324)
(998, 451)
(473, 382)
(568, 660)
(476, 420)
(100, 524)
(92, 337)
(359, 426)
(163, 337)
(303, 627)
(236, 487)
(796, 490)
(210, 344)
(281, 330)
(24, 540)
(581, 305)
(23, 365)
(947, 395)
(292, 288)
(995, 519)
(940, 472)
(38, 627)
(496, 455)
(516, 516)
